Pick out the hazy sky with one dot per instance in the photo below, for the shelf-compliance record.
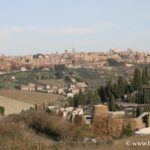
(33, 26)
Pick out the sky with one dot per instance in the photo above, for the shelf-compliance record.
(47, 26)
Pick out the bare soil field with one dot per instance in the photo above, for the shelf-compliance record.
(13, 106)
(31, 97)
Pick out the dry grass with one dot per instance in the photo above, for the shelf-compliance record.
(16, 134)
(30, 97)
(13, 106)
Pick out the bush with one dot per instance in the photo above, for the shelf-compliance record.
(127, 131)
(2, 110)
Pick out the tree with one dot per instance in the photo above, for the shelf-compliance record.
(112, 104)
(120, 86)
(138, 112)
(81, 98)
(76, 103)
(102, 93)
(109, 88)
(137, 80)
(96, 98)
(145, 75)
(2, 110)
(127, 130)
(59, 69)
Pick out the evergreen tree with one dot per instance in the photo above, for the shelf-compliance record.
(109, 89)
(96, 98)
(137, 80)
(138, 112)
(81, 98)
(76, 101)
(112, 104)
(102, 94)
(120, 86)
(115, 90)
(146, 73)
(144, 77)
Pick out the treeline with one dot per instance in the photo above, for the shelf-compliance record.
(84, 98)
(59, 70)
(130, 90)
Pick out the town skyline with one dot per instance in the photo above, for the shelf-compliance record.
(46, 26)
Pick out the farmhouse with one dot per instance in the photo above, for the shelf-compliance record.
(29, 87)
(40, 87)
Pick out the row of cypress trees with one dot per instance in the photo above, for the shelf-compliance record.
(125, 89)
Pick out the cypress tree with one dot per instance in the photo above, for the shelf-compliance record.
(109, 88)
(137, 80)
(120, 86)
(144, 76)
(81, 98)
(112, 104)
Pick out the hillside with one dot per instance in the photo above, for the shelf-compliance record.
(13, 106)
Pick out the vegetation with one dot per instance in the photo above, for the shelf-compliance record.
(31, 97)
(58, 83)
(113, 62)
(133, 89)
(59, 71)
(127, 131)
(39, 130)
(2, 110)
(87, 98)
(7, 82)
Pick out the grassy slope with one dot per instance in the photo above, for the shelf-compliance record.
(13, 106)
(53, 82)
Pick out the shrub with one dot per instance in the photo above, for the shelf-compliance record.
(127, 130)
(2, 110)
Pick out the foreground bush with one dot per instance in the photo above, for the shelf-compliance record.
(2, 110)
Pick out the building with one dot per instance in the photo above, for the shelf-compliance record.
(29, 87)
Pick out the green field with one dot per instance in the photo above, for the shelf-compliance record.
(53, 82)
(23, 78)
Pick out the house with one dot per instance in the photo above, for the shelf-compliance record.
(73, 80)
(82, 85)
(48, 87)
(72, 86)
(55, 89)
(70, 95)
(50, 91)
(61, 91)
(87, 119)
(29, 87)
(66, 112)
(24, 87)
(78, 111)
(75, 91)
(23, 69)
(13, 78)
(40, 87)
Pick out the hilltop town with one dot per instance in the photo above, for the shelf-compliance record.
(74, 59)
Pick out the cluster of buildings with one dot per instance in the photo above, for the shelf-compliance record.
(69, 91)
(72, 59)
(75, 87)
(127, 114)
(118, 119)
